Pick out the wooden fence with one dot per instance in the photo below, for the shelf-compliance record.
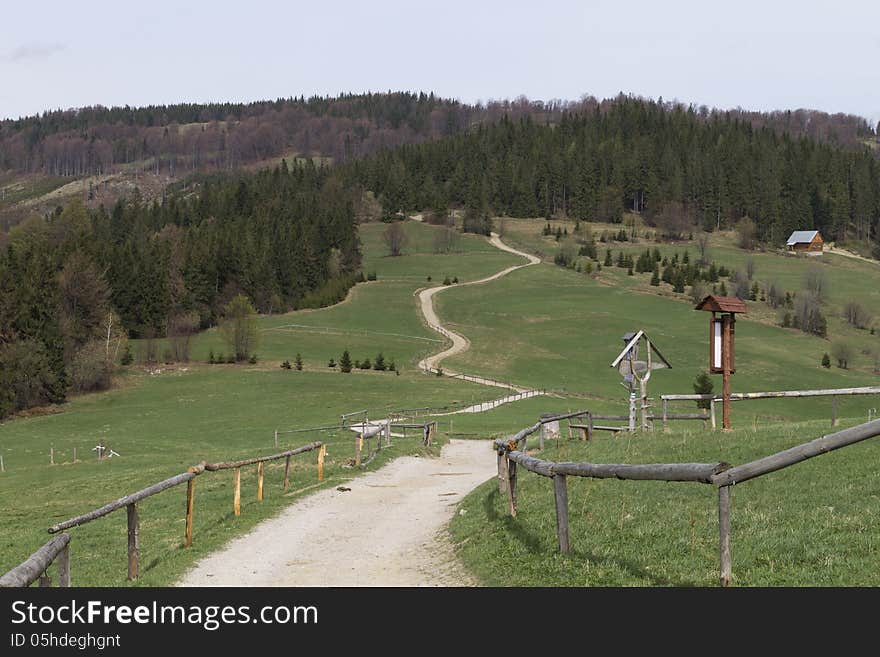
(512, 453)
(834, 393)
(58, 547)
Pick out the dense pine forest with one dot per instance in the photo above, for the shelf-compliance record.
(74, 285)
(677, 167)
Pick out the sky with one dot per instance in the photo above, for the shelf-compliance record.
(760, 55)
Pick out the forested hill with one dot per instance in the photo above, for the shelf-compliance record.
(73, 282)
(680, 169)
(175, 139)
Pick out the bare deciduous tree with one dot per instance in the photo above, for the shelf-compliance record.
(855, 314)
(703, 246)
(747, 232)
(180, 330)
(816, 282)
(239, 327)
(395, 237)
(446, 240)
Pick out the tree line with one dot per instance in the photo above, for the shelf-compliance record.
(181, 138)
(677, 168)
(74, 285)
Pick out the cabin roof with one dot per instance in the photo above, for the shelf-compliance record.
(722, 304)
(802, 237)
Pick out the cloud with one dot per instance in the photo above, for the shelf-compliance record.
(34, 51)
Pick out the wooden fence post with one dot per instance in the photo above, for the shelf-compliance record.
(712, 413)
(260, 481)
(276, 437)
(322, 452)
(51, 456)
(511, 486)
(560, 491)
(502, 472)
(63, 561)
(724, 533)
(236, 491)
(665, 409)
(834, 411)
(358, 446)
(45, 581)
(190, 502)
(589, 426)
(286, 483)
(134, 546)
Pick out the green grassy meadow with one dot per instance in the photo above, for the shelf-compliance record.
(542, 326)
(813, 524)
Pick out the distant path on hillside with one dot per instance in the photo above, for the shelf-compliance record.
(836, 250)
(460, 343)
(389, 529)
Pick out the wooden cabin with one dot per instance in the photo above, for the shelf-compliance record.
(806, 241)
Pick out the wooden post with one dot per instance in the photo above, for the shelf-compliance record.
(712, 413)
(665, 408)
(834, 411)
(2, 467)
(276, 437)
(541, 438)
(134, 546)
(322, 452)
(511, 487)
(45, 581)
(190, 502)
(560, 491)
(724, 533)
(236, 491)
(51, 456)
(502, 472)
(726, 346)
(63, 562)
(589, 426)
(74, 454)
(286, 484)
(358, 446)
(260, 481)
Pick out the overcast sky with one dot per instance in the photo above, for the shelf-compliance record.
(754, 54)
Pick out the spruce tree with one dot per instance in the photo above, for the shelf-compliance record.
(298, 362)
(345, 362)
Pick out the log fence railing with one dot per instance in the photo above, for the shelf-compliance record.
(57, 547)
(834, 393)
(511, 454)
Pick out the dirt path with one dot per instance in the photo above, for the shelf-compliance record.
(388, 530)
(459, 342)
(848, 254)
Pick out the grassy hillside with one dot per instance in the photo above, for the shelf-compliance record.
(543, 326)
(813, 524)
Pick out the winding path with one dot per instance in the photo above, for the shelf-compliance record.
(460, 343)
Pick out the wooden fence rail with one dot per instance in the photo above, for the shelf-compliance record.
(511, 454)
(130, 502)
(712, 398)
(57, 549)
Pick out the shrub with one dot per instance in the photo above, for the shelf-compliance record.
(365, 364)
(843, 353)
(703, 386)
(211, 359)
(392, 367)
(371, 276)
(826, 361)
(253, 359)
(127, 357)
(331, 363)
(447, 281)
(455, 280)
(298, 362)
(285, 365)
(231, 359)
(90, 369)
